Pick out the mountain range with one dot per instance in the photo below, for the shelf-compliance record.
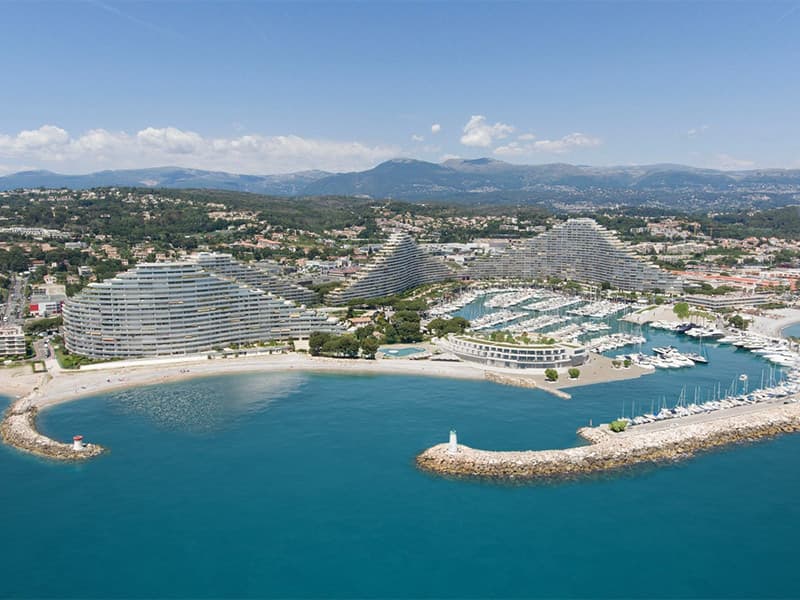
(408, 179)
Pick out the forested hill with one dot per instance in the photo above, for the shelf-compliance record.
(479, 181)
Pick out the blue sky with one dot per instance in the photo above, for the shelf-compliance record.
(268, 87)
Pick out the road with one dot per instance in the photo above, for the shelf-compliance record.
(13, 312)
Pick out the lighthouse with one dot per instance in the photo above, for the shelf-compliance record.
(452, 447)
(77, 442)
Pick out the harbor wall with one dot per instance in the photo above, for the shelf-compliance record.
(610, 451)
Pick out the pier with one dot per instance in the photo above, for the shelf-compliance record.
(665, 441)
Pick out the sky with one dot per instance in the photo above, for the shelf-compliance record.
(265, 87)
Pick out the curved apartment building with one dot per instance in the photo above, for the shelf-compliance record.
(579, 250)
(224, 265)
(165, 309)
(398, 266)
(515, 356)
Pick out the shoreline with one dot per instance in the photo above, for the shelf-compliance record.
(608, 451)
(18, 427)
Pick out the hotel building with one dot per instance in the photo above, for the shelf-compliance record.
(398, 266)
(166, 309)
(579, 250)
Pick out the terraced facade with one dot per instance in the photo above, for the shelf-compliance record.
(398, 266)
(166, 309)
(579, 250)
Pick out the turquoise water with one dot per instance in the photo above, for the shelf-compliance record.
(792, 331)
(400, 352)
(302, 485)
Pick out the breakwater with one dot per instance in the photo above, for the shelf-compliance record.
(524, 382)
(18, 429)
(609, 451)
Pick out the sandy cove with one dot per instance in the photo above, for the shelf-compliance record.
(664, 441)
(35, 392)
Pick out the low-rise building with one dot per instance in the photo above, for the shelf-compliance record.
(723, 301)
(12, 341)
(515, 356)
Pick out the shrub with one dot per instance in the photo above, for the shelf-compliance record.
(574, 373)
(618, 425)
(551, 375)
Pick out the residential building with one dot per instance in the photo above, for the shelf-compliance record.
(164, 309)
(399, 265)
(224, 265)
(579, 250)
(12, 341)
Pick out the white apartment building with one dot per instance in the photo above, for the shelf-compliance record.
(579, 250)
(398, 266)
(12, 341)
(225, 266)
(164, 309)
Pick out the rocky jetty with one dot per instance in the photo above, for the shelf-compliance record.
(18, 429)
(609, 451)
(524, 382)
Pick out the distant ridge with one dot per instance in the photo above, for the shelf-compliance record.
(166, 177)
(410, 179)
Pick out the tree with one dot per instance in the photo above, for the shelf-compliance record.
(316, 341)
(681, 310)
(574, 373)
(369, 347)
(738, 321)
(551, 375)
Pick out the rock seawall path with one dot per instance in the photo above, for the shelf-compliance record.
(18, 429)
(610, 451)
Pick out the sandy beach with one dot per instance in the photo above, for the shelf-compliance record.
(773, 322)
(36, 391)
(62, 386)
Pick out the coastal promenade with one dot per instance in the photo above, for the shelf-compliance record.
(36, 392)
(671, 440)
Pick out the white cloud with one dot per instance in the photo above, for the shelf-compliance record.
(55, 148)
(728, 162)
(525, 144)
(696, 131)
(477, 132)
(417, 138)
(436, 128)
(170, 140)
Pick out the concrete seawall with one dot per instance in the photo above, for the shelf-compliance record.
(609, 451)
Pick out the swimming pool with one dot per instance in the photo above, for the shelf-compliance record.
(390, 352)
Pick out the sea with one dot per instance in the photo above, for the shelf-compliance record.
(304, 485)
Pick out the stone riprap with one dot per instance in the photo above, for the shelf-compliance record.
(609, 451)
(18, 429)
